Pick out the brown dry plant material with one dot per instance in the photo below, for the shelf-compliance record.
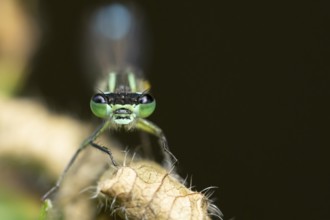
(145, 190)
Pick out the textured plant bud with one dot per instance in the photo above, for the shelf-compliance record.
(144, 190)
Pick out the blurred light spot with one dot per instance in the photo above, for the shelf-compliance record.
(113, 21)
(18, 38)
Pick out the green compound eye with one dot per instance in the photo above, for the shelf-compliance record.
(147, 105)
(99, 106)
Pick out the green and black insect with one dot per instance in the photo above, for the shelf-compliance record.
(124, 101)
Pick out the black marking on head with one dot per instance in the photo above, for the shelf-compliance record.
(122, 117)
(129, 98)
(123, 98)
(122, 111)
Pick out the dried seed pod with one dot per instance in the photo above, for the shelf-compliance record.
(145, 190)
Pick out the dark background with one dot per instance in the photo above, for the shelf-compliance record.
(242, 94)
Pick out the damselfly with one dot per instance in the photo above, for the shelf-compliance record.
(124, 101)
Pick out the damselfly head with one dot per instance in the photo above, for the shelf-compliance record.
(122, 108)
